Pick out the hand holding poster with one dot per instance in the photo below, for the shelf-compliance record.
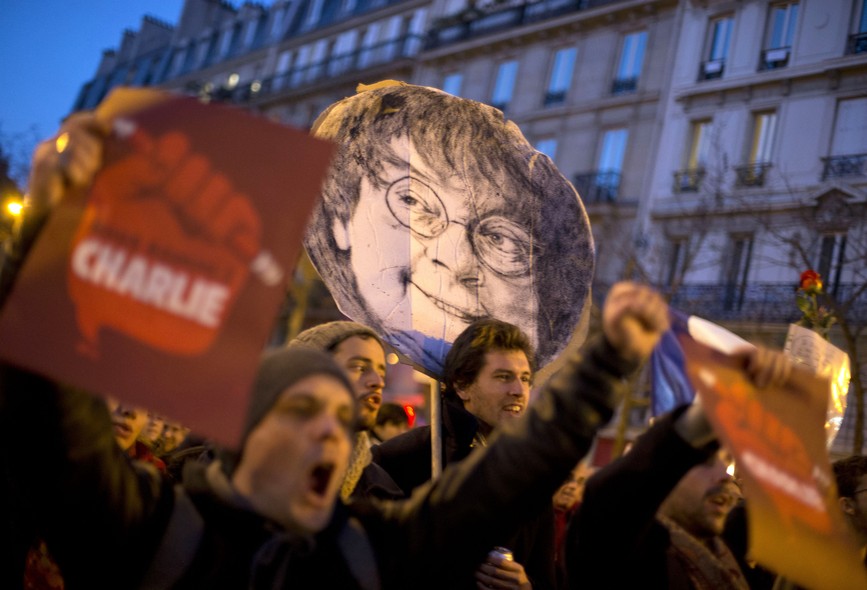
(158, 285)
(777, 437)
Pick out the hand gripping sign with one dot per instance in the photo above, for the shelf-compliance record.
(159, 283)
(777, 438)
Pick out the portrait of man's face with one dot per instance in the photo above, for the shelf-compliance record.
(437, 212)
(432, 253)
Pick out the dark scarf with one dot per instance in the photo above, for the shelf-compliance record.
(709, 567)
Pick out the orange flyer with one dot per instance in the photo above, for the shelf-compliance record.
(796, 527)
(160, 283)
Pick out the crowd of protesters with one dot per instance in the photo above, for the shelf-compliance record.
(102, 495)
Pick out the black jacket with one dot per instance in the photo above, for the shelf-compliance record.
(407, 459)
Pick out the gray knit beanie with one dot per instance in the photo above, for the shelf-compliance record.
(280, 369)
(326, 337)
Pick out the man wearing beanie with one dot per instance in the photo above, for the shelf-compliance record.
(359, 351)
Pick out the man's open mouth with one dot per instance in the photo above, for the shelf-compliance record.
(320, 478)
(513, 408)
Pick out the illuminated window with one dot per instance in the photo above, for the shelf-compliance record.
(505, 84)
(452, 83)
(631, 62)
(561, 76)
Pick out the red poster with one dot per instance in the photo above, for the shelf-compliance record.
(777, 437)
(160, 284)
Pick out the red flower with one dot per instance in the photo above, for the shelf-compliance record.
(811, 281)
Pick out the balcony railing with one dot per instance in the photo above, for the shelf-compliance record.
(475, 23)
(857, 43)
(335, 65)
(752, 175)
(839, 166)
(598, 187)
(554, 98)
(624, 85)
(775, 58)
(762, 302)
(688, 181)
(712, 69)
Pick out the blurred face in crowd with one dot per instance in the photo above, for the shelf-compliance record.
(128, 422)
(363, 360)
(389, 430)
(173, 435)
(703, 498)
(855, 509)
(294, 460)
(153, 430)
(501, 390)
(572, 491)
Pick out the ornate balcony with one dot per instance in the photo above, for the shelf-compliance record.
(857, 43)
(624, 85)
(598, 187)
(761, 303)
(474, 22)
(752, 175)
(775, 58)
(711, 69)
(688, 181)
(840, 166)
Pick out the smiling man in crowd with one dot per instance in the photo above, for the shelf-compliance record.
(488, 374)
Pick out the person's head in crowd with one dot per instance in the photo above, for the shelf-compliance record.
(391, 421)
(569, 495)
(437, 212)
(851, 476)
(174, 434)
(152, 433)
(489, 370)
(298, 438)
(359, 351)
(128, 422)
(703, 498)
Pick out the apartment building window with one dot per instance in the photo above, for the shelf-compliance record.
(281, 72)
(858, 40)
(764, 131)
(277, 24)
(547, 146)
(367, 53)
(717, 49)
(452, 83)
(343, 53)
(302, 60)
(832, 253)
(393, 37)
(415, 34)
(561, 76)
(689, 179)
(603, 184)
(252, 30)
(630, 64)
(676, 262)
(504, 86)
(736, 269)
(314, 13)
(782, 20)
(849, 145)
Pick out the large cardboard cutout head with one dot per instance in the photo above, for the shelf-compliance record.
(438, 212)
